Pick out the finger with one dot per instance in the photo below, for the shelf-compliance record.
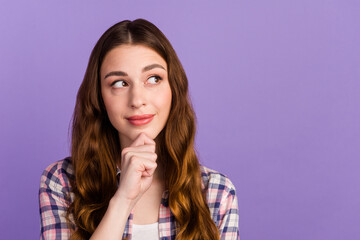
(149, 168)
(142, 148)
(145, 155)
(142, 166)
(142, 139)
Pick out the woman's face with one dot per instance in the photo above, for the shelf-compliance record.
(136, 91)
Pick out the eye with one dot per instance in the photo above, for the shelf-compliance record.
(154, 79)
(119, 84)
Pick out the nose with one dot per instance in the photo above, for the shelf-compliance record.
(137, 96)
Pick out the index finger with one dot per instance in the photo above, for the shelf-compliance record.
(142, 139)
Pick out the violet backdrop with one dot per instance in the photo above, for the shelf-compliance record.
(275, 85)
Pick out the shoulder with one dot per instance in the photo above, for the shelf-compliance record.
(58, 175)
(222, 202)
(54, 199)
(214, 181)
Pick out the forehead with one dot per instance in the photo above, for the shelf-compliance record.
(131, 57)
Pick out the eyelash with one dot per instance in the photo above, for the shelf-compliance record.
(153, 76)
(114, 82)
(157, 77)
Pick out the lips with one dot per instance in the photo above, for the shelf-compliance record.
(139, 120)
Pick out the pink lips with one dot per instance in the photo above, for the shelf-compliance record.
(139, 120)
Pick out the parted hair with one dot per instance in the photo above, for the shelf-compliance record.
(95, 144)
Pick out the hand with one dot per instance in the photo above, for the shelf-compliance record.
(138, 164)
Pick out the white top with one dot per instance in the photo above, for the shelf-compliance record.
(145, 232)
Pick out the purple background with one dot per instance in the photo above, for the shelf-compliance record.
(275, 85)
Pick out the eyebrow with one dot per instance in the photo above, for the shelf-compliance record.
(115, 73)
(152, 66)
(147, 68)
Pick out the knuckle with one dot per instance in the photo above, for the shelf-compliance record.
(125, 155)
(124, 151)
(133, 160)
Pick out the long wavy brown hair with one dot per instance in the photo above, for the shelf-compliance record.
(95, 142)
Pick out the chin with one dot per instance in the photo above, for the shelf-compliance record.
(151, 135)
(134, 134)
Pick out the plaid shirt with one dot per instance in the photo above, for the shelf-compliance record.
(55, 189)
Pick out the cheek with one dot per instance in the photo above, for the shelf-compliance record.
(164, 102)
(168, 101)
(112, 107)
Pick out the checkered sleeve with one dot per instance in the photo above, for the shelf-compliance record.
(222, 202)
(53, 195)
(229, 215)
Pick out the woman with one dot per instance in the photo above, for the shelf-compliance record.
(133, 171)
